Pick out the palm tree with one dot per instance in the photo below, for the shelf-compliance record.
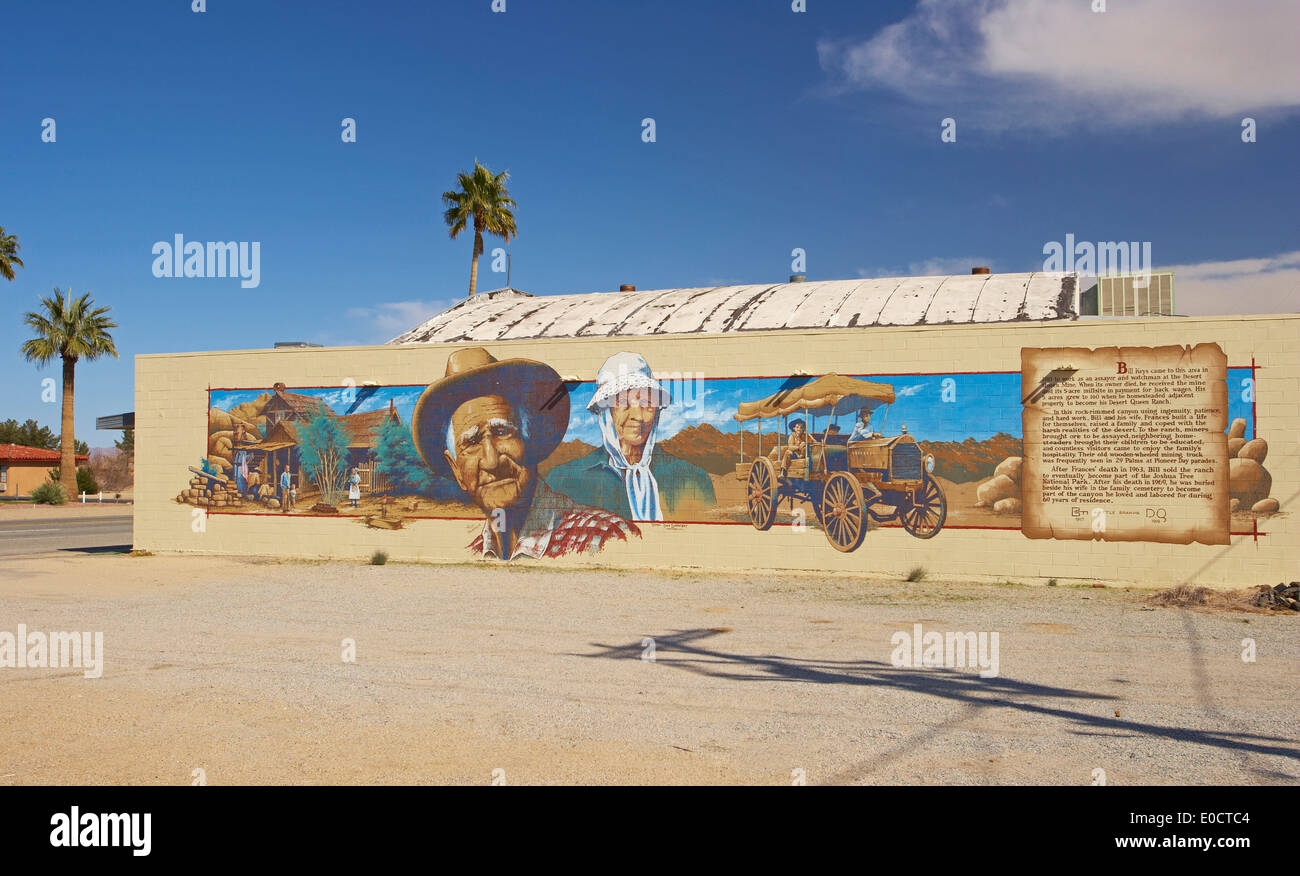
(69, 329)
(9, 255)
(482, 199)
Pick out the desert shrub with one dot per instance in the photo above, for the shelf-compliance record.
(378, 558)
(86, 482)
(49, 493)
(917, 573)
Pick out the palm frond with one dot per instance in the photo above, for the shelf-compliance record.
(68, 328)
(481, 199)
(9, 259)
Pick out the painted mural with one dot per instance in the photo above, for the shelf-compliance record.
(552, 467)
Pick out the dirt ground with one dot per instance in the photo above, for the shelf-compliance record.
(235, 667)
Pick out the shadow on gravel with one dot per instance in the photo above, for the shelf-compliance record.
(101, 549)
(686, 649)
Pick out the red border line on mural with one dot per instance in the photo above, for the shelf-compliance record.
(1254, 412)
(256, 514)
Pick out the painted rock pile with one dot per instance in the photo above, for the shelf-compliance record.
(1249, 483)
(210, 494)
(1002, 491)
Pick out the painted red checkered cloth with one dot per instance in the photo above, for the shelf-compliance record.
(578, 530)
(586, 529)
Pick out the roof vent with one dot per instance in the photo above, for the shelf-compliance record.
(627, 287)
(798, 278)
(984, 269)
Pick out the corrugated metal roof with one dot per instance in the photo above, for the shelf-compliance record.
(512, 314)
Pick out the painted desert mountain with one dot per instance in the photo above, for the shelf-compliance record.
(958, 461)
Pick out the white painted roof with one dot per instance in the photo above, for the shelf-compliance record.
(508, 314)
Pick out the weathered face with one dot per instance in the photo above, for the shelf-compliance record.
(634, 413)
(797, 428)
(489, 460)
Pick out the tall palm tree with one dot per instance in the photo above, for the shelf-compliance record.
(71, 329)
(9, 255)
(483, 200)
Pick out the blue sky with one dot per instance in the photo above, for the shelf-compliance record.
(775, 130)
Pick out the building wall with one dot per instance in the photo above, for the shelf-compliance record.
(25, 476)
(172, 404)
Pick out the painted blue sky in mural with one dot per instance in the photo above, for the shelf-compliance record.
(977, 406)
(341, 400)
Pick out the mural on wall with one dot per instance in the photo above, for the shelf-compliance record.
(552, 467)
(488, 424)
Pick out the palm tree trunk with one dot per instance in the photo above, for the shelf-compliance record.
(68, 444)
(473, 270)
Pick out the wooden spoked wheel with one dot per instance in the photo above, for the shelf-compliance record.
(924, 517)
(761, 497)
(844, 515)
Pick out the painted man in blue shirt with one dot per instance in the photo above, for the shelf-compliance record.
(286, 481)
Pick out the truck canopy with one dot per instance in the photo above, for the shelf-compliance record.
(819, 397)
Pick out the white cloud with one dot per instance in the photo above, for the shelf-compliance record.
(1051, 63)
(386, 320)
(678, 416)
(672, 419)
(1265, 285)
(935, 267)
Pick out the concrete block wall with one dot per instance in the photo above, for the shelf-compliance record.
(171, 422)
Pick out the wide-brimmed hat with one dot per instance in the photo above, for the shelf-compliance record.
(624, 371)
(533, 389)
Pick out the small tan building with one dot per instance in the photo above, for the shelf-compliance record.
(23, 469)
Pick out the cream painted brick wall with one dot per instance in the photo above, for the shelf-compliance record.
(171, 423)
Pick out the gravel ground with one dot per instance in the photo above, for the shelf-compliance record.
(234, 667)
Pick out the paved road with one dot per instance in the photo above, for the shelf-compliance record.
(35, 536)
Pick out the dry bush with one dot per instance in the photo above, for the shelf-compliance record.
(110, 468)
(1253, 599)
